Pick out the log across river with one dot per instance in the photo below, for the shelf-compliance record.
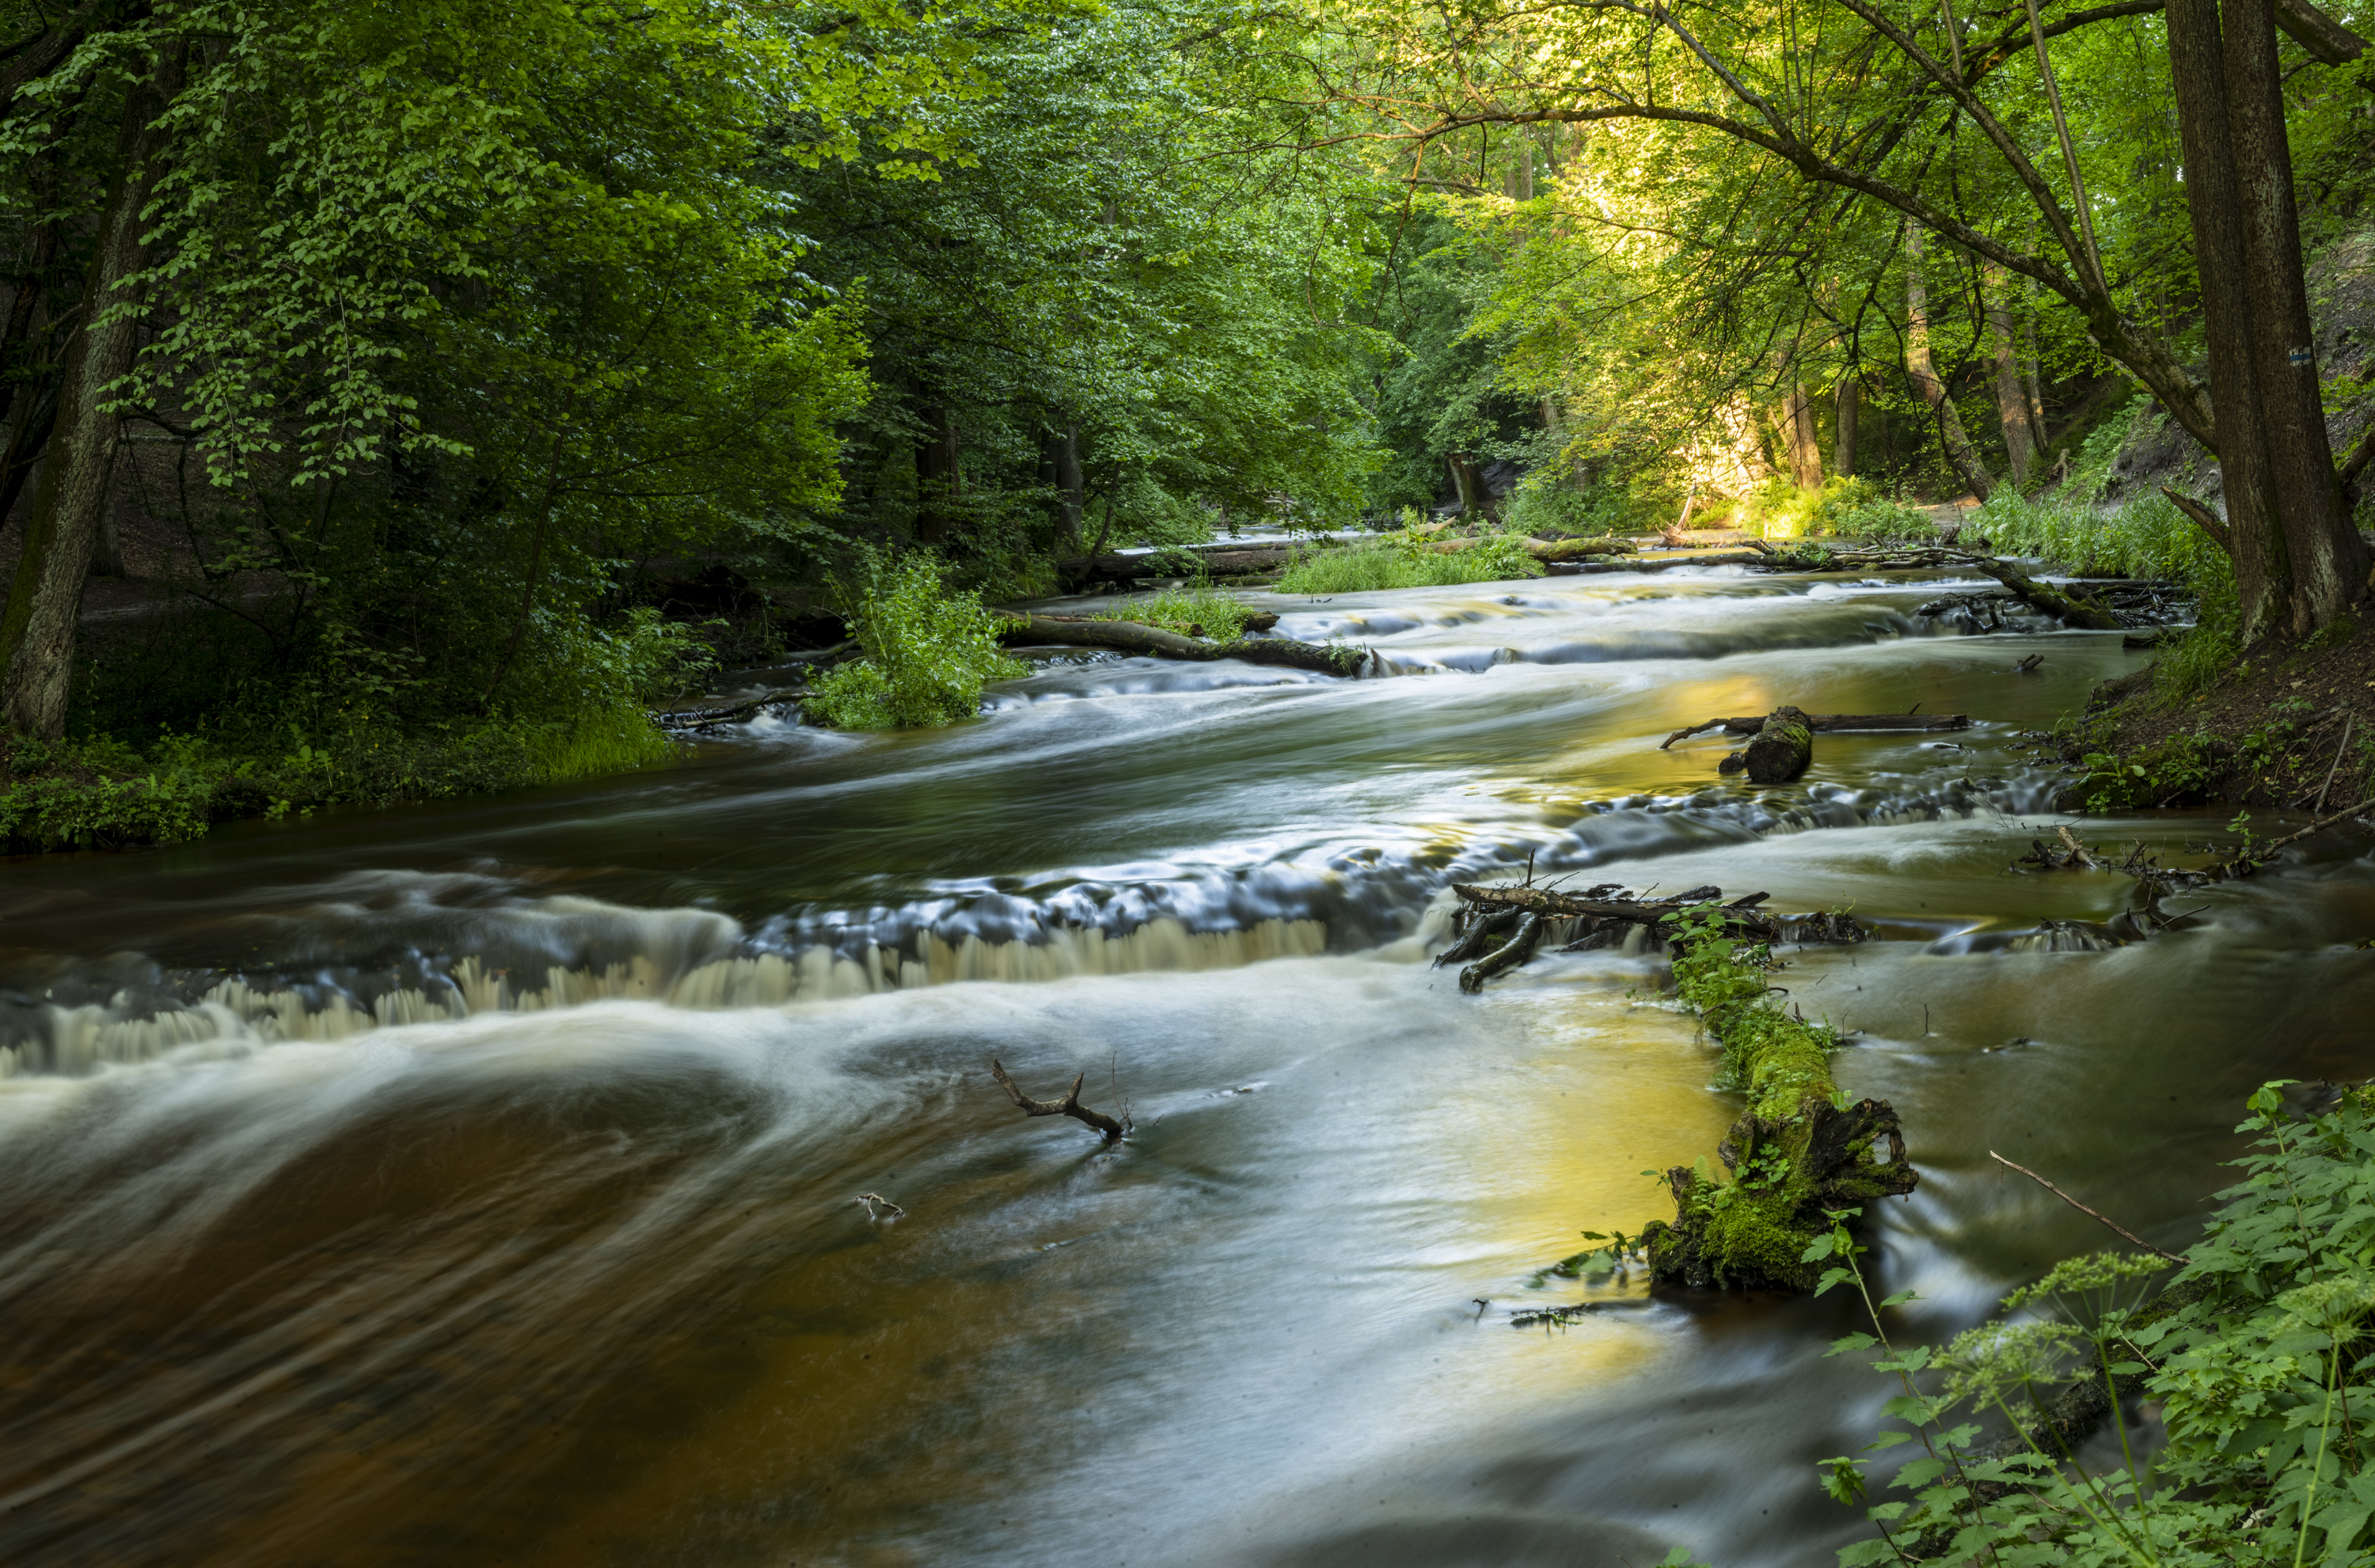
(480, 1183)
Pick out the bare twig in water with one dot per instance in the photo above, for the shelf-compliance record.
(871, 1201)
(1067, 1106)
(2114, 1224)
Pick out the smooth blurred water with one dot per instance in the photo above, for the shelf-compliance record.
(476, 1183)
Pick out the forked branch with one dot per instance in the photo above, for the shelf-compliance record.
(1067, 1106)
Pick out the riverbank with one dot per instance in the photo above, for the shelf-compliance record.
(2291, 723)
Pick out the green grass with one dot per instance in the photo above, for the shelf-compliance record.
(2146, 537)
(102, 792)
(1398, 563)
(1197, 610)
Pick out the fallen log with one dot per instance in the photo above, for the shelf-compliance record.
(2085, 614)
(1749, 724)
(1782, 750)
(1798, 1152)
(1642, 563)
(1740, 918)
(1067, 1106)
(1160, 641)
(1517, 950)
(1163, 565)
(738, 712)
(1480, 937)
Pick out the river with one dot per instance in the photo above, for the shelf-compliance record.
(475, 1184)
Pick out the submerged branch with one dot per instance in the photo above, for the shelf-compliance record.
(1067, 1106)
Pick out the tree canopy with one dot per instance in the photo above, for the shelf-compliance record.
(427, 351)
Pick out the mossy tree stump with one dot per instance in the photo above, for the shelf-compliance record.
(1782, 749)
(1799, 1149)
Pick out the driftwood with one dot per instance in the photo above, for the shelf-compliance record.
(1810, 555)
(1740, 918)
(1517, 950)
(1825, 723)
(1130, 636)
(1067, 1106)
(2086, 614)
(1782, 749)
(683, 719)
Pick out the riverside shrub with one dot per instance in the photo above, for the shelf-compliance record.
(2256, 1349)
(929, 650)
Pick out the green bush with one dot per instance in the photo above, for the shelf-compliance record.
(928, 651)
(2256, 1353)
(1849, 508)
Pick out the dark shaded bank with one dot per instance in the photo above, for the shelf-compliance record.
(2291, 725)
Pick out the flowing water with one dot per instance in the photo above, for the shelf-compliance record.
(475, 1184)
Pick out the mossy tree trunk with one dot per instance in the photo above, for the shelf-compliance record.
(1800, 1151)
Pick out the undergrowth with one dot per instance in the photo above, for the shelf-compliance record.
(1843, 509)
(2145, 538)
(2255, 1353)
(290, 752)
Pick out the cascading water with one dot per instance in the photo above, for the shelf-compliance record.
(477, 1183)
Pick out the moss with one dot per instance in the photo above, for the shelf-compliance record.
(1786, 1159)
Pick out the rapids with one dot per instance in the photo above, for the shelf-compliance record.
(475, 1183)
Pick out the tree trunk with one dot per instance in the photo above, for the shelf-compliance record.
(2329, 563)
(1798, 432)
(2012, 393)
(936, 477)
(37, 635)
(2197, 72)
(2032, 376)
(1470, 484)
(1924, 374)
(1071, 504)
(1849, 400)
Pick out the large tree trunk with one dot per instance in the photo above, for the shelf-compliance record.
(2012, 393)
(1797, 431)
(2032, 376)
(37, 634)
(1924, 374)
(2329, 564)
(1468, 482)
(2255, 538)
(1849, 400)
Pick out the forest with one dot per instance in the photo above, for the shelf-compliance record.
(410, 396)
(443, 401)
